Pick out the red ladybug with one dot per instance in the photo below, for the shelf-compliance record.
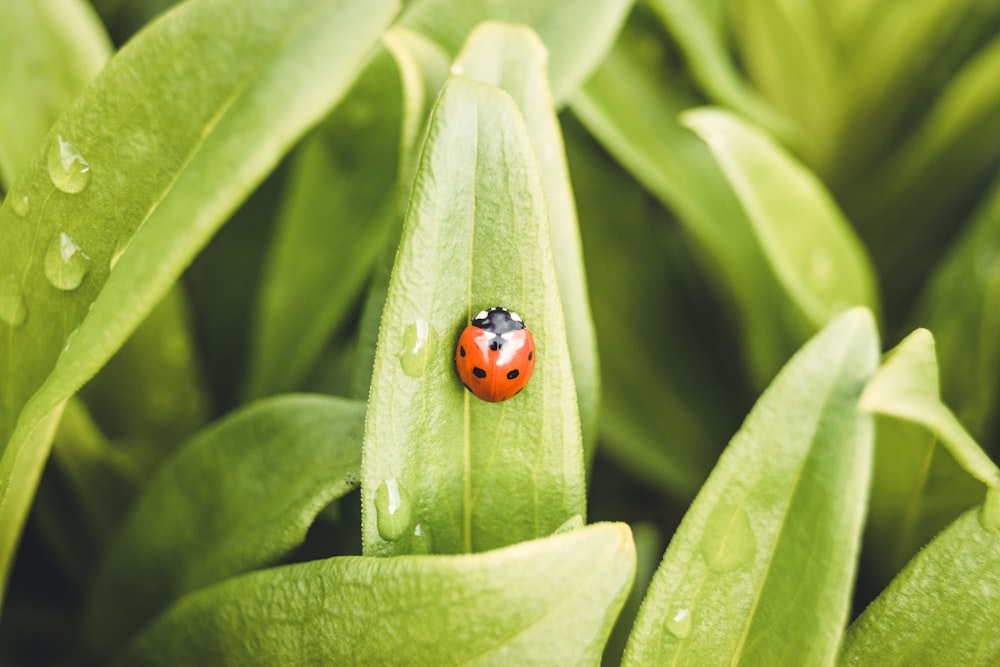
(495, 355)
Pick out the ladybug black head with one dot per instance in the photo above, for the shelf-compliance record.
(497, 320)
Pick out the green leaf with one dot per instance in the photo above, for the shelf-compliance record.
(761, 569)
(340, 205)
(928, 468)
(50, 50)
(812, 249)
(470, 475)
(563, 26)
(513, 59)
(547, 602)
(236, 497)
(906, 387)
(641, 130)
(942, 609)
(152, 158)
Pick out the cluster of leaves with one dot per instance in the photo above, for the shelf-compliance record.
(186, 410)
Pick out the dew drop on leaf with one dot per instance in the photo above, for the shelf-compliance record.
(68, 169)
(21, 205)
(392, 510)
(65, 263)
(13, 311)
(728, 540)
(419, 342)
(679, 624)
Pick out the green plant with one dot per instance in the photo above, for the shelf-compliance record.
(189, 409)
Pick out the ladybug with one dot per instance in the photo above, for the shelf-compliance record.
(495, 355)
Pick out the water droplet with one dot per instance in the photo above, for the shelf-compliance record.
(728, 539)
(679, 624)
(65, 263)
(419, 343)
(13, 311)
(989, 513)
(21, 205)
(68, 169)
(420, 543)
(392, 510)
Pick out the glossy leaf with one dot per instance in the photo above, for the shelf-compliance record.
(562, 25)
(514, 60)
(811, 247)
(942, 609)
(469, 474)
(547, 602)
(150, 160)
(236, 497)
(761, 569)
(50, 50)
(906, 387)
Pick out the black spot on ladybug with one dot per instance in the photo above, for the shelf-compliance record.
(461, 351)
(513, 374)
(531, 355)
(478, 372)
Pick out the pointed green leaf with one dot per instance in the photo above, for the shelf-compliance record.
(152, 158)
(514, 59)
(236, 497)
(906, 387)
(761, 569)
(547, 602)
(943, 609)
(466, 474)
(811, 247)
(576, 35)
(50, 50)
